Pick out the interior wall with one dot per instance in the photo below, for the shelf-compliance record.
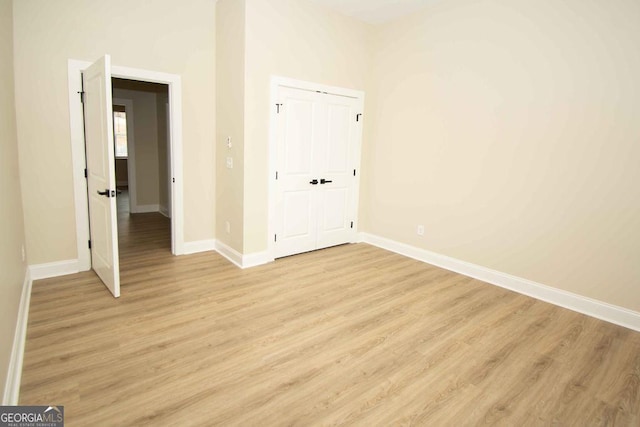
(510, 130)
(296, 39)
(12, 266)
(145, 129)
(172, 37)
(162, 100)
(230, 90)
(122, 172)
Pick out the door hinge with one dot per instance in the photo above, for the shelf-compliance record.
(351, 224)
(89, 244)
(354, 172)
(173, 180)
(275, 237)
(276, 175)
(278, 108)
(358, 117)
(85, 173)
(81, 92)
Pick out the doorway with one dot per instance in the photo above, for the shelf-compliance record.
(174, 166)
(143, 153)
(142, 156)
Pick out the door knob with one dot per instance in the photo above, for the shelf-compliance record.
(314, 182)
(324, 181)
(107, 193)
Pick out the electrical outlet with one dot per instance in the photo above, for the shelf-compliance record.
(230, 162)
(228, 142)
(420, 230)
(228, 226)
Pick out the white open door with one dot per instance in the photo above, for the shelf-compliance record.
(101, 181)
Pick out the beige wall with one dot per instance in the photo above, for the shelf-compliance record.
(230, 39)
(122, 172)
(511, 131)
(12, 268)
(168, 36)
(163, 144)
(145, 124)
(296, 39)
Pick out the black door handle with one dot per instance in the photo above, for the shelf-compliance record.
(314, 182)
(107, 193)
(324, 181)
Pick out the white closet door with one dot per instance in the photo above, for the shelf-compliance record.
(316, 154)
(336, 160)
(299, 123)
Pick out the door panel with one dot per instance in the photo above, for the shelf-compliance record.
(335, 212)
(98, 121)
(296, 221)
(337, 207)
(335, 216)
(339, 134)
(299, 223)
(297, 214)
(299, 137)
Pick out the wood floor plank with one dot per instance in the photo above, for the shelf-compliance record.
(352, 335)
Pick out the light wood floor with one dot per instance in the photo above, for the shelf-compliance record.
(353, 335)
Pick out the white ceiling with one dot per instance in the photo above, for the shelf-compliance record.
(376, 11)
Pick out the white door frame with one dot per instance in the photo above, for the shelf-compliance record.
(168, 144)
(276, 83)
(75, 68)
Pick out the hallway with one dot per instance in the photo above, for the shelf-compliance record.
(142, 238)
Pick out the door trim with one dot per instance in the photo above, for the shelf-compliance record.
(276, 83)
(75, 68)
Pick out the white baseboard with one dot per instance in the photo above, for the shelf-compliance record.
(229, 253)
(14, 374)
(241, 260)
(54, 269)
(145, 208)
(199, 246)
(256, 259)
(164, 211)
(591, 307)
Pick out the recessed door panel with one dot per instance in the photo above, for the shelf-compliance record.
(334, 210)
(338, 140)
(297, 214)
(299, 136)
